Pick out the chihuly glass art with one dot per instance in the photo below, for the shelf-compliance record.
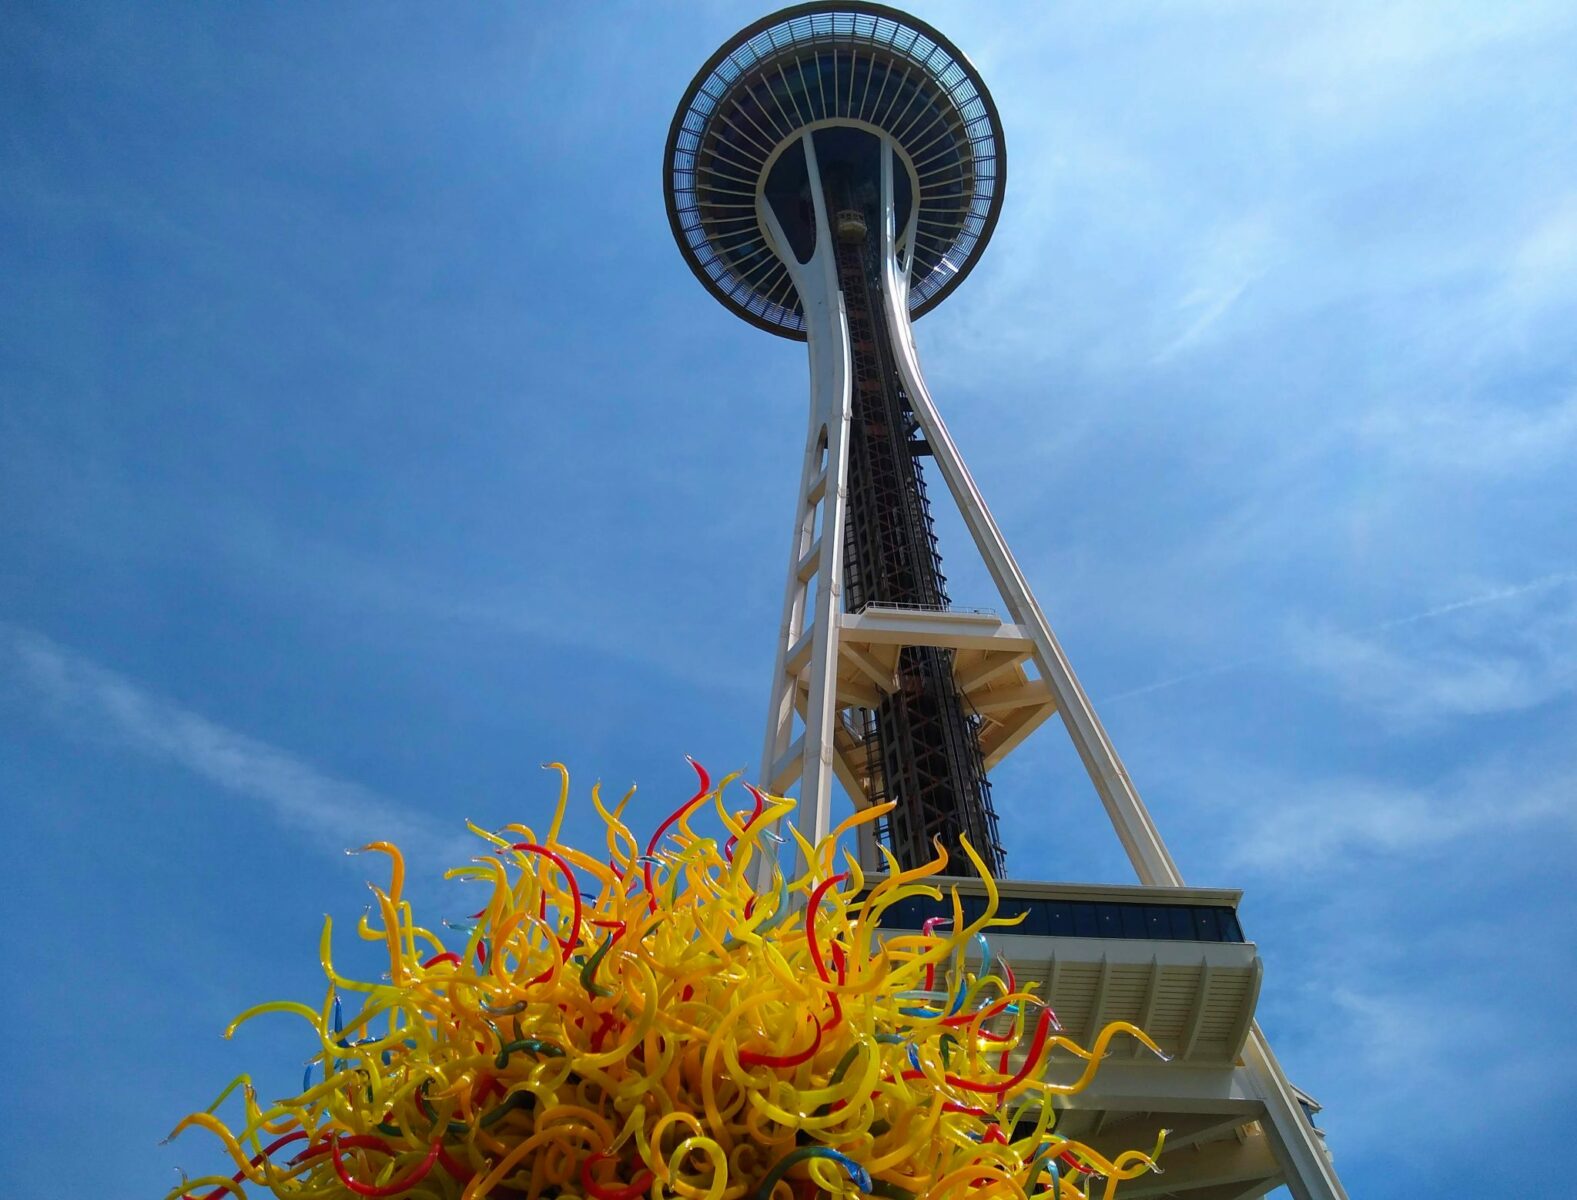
(689, 1017)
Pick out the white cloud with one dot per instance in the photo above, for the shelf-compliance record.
(1203, 306)
(1310, 824)
(1385, 1012)
(1333, 650)
(1549, 252)
(100, 704)
(1350, 59)
(588, 606)
(1407, 1049)
(1479, 437)
(1486, 658)
(1228, 262)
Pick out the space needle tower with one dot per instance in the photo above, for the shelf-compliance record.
(833, 172)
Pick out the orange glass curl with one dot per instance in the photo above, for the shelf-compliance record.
(698, 1021)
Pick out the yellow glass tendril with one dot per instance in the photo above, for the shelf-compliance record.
(654, 1024)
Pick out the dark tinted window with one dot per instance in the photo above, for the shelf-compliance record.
(1059, 918)
(1035, 922)
(1156, 922)
(974, 908)
(1109, 920)
(1084, 924)
(1206, 927)
(1080, 918)
(1133, 920)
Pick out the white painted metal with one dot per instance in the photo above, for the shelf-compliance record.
(813, 599)
(817, 641)
(1121, 799)
(1306, 1165)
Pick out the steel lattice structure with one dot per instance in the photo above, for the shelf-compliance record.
(923, 746)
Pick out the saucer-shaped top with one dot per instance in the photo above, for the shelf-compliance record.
(814, 66)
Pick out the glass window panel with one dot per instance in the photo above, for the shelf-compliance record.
(1206, 926)
(1133, 921)
(903, 915)
(1084, 923)
(1059, 918)
(1230, 929)
(1036, 924)
(974, 908)
(1156, 921)
(1109, 920)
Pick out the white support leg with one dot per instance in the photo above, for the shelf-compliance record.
(1303, 1160)
(813, 601)
(780, 700)
(1126, 810)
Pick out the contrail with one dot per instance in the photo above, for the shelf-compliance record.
(1507, 593)
(1494, 597)
(94, 701)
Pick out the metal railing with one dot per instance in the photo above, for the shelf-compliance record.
(888, 606)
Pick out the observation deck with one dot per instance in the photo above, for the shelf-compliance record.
(1173, 961)
(824, 66)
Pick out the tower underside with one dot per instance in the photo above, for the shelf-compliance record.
(862, 66)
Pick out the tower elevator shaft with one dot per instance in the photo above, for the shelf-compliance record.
(923, 745)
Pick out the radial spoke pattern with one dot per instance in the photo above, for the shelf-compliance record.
(821, 63)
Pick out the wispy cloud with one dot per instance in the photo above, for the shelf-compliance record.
(1423, 1042)
(1545, 263)
(1227, 263)
(94, 702)
(1395, 53)
(589, 608)
(1308, 825)
(1449, 681)
(1493, 596)
(1481, 438)
(1206, 306)
(1514, 650)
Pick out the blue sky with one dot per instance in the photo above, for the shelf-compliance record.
(364, 443)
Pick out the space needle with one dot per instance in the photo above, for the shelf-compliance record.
(833, 172)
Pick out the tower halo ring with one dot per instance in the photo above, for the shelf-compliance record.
(816, 65)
